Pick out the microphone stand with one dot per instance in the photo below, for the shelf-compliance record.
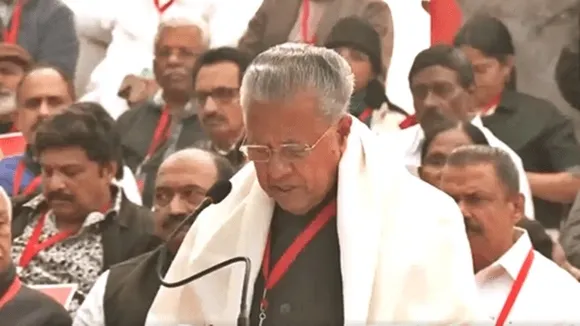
(243, 318)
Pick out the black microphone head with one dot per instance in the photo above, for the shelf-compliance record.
(219, 191)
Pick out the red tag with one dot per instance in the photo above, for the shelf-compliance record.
(11, 292)
(366, 114)
(408, 122)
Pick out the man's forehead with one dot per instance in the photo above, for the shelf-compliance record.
(220, 74)
(466, 175)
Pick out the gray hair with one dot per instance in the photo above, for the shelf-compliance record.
(504, 166)
(283, 70)
(184, 21)
(4, 196)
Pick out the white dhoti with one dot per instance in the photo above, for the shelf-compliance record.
(405, 256)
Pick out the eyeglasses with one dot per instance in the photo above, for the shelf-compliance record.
(222, 95)
(287, 152)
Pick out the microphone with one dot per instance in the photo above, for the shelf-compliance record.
(214, 195)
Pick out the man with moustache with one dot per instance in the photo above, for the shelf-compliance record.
(82, 222)
(19, 304)
(217, 77)
(43, 92)
(14, 62)
(168, 122)
(122, 295)
(442, 84)
(513, 279)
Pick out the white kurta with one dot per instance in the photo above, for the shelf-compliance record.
(404, 252)
(548, 296)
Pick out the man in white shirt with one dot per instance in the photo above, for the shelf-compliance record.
(442, 84)
(516, 284)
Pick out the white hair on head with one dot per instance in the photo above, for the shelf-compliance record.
(283, 70)
(180, 20)
(4, 196)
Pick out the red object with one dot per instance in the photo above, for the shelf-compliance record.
(12, 144)
(364, 115)
(159, 137)
(11, 292)
(446, 20)
(304, 23)
(515, 290)
(408, 122)
(11, 34)
(17, 182)
(272, 276)
(492, 104)
(34, 246)
(162, 8)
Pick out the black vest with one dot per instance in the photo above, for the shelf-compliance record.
(130, 290)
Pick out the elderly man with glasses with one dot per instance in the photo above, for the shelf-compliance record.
(328, 221)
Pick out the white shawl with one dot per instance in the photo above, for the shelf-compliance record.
(404, 252)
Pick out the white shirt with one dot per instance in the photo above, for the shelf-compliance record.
(549, 295)
(91, 312)
(134, 26)
(409, 142)
(130, 188)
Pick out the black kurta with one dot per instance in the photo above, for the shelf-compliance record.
(310, 292)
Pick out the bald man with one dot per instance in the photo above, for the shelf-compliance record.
(20, 305)
(123, 295)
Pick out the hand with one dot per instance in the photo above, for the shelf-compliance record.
(135, 89)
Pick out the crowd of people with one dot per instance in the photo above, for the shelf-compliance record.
(351, 209)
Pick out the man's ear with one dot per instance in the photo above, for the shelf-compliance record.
(343, 130)
(518, 202)
(109, 170)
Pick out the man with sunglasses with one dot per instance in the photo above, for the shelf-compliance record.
(217, 76)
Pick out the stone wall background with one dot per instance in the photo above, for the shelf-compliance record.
(540, 29)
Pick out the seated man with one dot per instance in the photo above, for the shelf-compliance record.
(327, 208)
(217, 76)
(14, 62)
(43, 91)
(122, 295)
(442, 83)
(85, 221)
(516, 283)
(157, 128)
(20, 305)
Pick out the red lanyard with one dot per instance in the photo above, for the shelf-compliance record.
(304, 23)
(492, 104)
(365, 114)
(162, 8)
(11, 292)
(160, 134)
(34, 246)
(11, 34)
(410, 121)
(18, 174)
(272, 276)
(515, 290)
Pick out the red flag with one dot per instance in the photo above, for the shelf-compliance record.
(12, 144)
(446, 20)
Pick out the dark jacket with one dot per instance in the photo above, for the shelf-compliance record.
(124, 235)
(30, 307)
(137, 127)
(47, 31)
(133, 281)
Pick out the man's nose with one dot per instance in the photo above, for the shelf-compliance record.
(44, 109)
(430, 100)
(54, 182)
(278, 168)
(178, 205)
(210, 105)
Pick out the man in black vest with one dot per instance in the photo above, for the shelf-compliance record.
(123, 295)
(20, 305)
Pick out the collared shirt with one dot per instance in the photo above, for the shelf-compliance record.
(548, 296)
(409, 142)
(77, 260)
